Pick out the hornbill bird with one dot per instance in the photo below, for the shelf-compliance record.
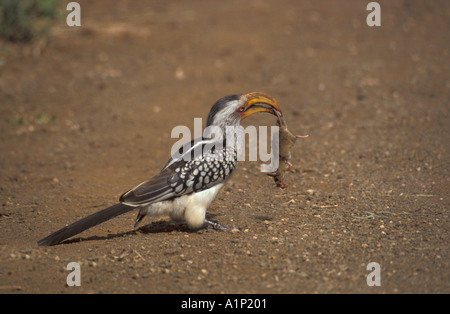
(190, 180)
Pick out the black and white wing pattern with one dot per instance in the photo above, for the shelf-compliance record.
(198, 166)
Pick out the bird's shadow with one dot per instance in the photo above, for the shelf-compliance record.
(153, 227)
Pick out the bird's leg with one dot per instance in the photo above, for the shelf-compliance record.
(216, 225)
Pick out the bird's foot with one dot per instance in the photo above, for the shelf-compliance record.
(218, 226)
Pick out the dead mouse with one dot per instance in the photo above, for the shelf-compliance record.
(286, 142)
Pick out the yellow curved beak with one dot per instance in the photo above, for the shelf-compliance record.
(260, 102)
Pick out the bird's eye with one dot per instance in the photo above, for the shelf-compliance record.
(241, 109)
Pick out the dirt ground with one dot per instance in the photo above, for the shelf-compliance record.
(88, 112)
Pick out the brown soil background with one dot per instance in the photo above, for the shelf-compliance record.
(372, 180)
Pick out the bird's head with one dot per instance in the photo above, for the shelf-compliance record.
(230, 110)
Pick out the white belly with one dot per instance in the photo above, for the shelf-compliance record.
(190, 208)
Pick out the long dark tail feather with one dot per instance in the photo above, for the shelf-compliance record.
(84, 224)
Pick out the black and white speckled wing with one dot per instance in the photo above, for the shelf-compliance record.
(193, 170)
